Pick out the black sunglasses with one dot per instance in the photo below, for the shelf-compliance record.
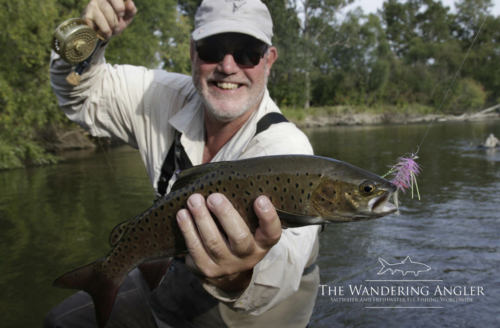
(213, 53)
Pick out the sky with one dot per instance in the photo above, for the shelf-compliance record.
(371, 6)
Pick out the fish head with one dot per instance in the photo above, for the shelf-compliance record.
(348, 193)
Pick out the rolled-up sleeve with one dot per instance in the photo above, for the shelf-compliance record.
(109, 99)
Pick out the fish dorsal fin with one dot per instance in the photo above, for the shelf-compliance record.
(188, 176)
(407, 259)
(118, 232)
(294, 220)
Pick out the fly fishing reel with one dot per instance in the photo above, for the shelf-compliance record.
(74, 41)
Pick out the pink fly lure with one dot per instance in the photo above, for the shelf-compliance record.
(405, 173)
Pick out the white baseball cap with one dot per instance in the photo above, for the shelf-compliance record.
(249, 17)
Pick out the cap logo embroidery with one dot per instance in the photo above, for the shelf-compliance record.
(237, 4)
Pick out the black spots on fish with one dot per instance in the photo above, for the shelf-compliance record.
(183, 206)
(293, 197)
(247, 209)
(285, 190)
(210, 183)
(237, 186)
(171, 204)
(224, 189)
(297, 186)
(238, 207)
(193, 189)
(251, 183)
(132, 257)
(119, 249)
(232, 172)
(168, 228)
(275, 188)
(269, 169)
(349, 193)
(206, 177)
(126, 246)
(129, 239)
(234, 195)
(198, 181)
(210, 192)
(133, 229)
(216, 189)
(310, 184)
(135, 246)
(147, 241)
(307, 173)
(154, 245)
(308, 196)
(219, 182)
(298, 173)
(288, 180)
(141, 229)
(213, 175)
(202, 186)
(221, 172)
(136, 238)
(245, 200)
(267, 182)
(282, 198)
(320, 175)
(248, 193)
(322, 199)
(245, 175)
(230, 179)
(258, 177)
(261, 190)
(115, 236)
(168, 239)
(149, 228)
(278, 179)
(178, 199)
(120, 231)
(147, 219)
(109, 261)
(238, 174)
(184, 194)
(300, 200)
(294, 206)
(156, 224)
(163, 219)
(282, 206)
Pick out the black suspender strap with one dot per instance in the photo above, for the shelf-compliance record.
(267, 120)
(177, 159)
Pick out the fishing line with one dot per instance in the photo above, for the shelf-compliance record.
(451, 85)
(406, 170)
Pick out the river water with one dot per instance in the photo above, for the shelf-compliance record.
(56, 218)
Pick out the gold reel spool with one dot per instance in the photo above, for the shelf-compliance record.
(74, 41)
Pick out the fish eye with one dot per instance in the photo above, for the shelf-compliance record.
(367, 188)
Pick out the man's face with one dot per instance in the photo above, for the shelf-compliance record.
(230, 89)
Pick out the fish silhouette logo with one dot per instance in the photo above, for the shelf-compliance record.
(407, 265)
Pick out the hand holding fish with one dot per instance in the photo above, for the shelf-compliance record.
(226, 263)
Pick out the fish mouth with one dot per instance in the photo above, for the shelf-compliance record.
(381, 206)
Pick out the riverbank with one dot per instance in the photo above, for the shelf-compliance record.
(319, 117)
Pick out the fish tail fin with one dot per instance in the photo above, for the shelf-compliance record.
(102, 289)
(384, 264)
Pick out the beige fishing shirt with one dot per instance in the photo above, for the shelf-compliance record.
(143, 107)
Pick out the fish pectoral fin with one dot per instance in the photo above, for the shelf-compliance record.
(117, 233)
(188, 176)
(153, 271)
(294, 220)
(101, 288)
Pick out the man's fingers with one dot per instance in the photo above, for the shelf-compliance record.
(209, 233)
(191, 236)
(96, 20)
(111, 16)
(239, 236)
(118, 7)
(269, 231)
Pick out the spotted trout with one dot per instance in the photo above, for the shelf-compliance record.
(305, 190)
